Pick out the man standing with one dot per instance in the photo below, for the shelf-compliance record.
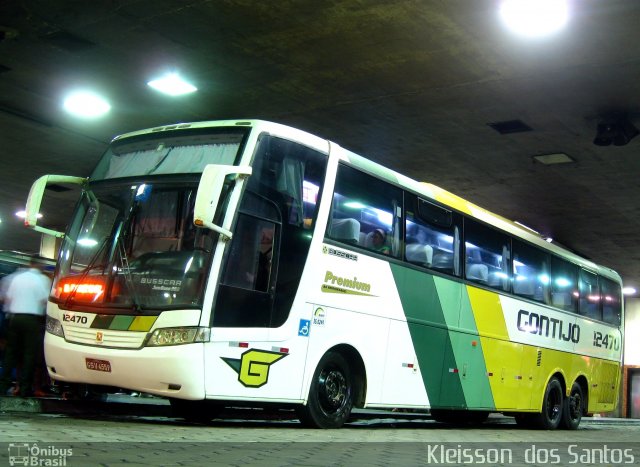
(24, 294)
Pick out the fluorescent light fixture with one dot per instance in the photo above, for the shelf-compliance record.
(549, 239)
(172, 84)
(354, 205)
(629, 290)
(89, 242)
(86, 104)
(556, 158)
(534, 18)
(23, 214)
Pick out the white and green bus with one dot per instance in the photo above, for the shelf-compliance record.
(234, 262)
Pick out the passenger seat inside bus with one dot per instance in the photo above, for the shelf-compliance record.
(420, 254)
(345, 230)
(478, 273)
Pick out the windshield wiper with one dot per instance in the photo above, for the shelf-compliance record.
(85, 273)
(126, 269)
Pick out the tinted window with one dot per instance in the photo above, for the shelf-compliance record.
(486, 256)
(564, 284)
(366, 212)
(432, 238)
(589, 304)
(611, 301)
(530, 272)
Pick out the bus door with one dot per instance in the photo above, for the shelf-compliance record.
(256, 350)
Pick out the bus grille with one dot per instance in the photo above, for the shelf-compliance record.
(105, 337)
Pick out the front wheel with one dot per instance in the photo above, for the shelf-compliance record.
(572, 408)
(331, 394)
(552, 405)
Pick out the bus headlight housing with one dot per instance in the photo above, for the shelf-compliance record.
(178, 336)
(54, 326)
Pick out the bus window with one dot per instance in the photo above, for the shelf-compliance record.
(589, 304)
(486, 256)
(564, 284)
(365, 207)
(432, 236)
(530, 272)
(611, 301)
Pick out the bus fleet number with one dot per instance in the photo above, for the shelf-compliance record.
(74, 318)
(606, 341)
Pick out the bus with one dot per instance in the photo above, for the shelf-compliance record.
(232, 263)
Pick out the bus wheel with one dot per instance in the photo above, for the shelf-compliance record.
(195, 411)
(331, 394)
(572, 408)
(552, 405)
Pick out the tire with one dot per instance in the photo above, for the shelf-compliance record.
(552, 407)
(330, 395)
(572, 408)
(195, 411)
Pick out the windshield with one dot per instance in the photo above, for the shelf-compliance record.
(134, 246)
(183, 152)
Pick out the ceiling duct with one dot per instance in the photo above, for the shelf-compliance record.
(616, 130)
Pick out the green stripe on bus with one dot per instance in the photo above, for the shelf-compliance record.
(427, 326)
(466, 345)
(102, 321)
(121, 323)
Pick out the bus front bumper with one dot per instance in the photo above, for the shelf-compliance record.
(172, 371)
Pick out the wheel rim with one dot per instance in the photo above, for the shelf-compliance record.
(333, 391)
(575, 406)
(554, 404)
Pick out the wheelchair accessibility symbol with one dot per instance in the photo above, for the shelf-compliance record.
(303, 329)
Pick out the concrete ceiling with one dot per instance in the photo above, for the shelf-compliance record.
(412, 84)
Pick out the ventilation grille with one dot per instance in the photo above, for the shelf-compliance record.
(510, 126)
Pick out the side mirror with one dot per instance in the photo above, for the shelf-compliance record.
(35, 200)
(209, 191)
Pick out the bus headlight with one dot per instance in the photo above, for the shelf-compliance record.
(178, 336)
(54, 326)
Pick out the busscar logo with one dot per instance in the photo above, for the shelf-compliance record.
(253, 366)
(327, 250)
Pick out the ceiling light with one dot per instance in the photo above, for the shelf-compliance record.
(555, 158)
(86, 104)
(172, 85)
(534, 18)
(23, 214)
(629, 290)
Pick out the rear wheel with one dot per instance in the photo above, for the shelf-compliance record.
(552, 405)
(572, 408)
(331, 394)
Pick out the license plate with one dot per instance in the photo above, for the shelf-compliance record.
(98, 365)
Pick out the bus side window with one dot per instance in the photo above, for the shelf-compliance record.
(432, 236)
(487, 254)
(611, 301)
(564, 284)
(589, 302)
(362, 205)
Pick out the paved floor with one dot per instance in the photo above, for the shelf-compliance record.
(89, 439)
